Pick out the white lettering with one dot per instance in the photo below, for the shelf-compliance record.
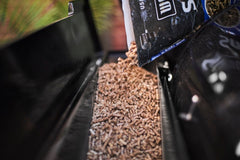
(224, 42)
(235, 44)
(142, 4)
(188, 8)
(165, 7)
(230, 44)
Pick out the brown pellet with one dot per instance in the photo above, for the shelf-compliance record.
(126, 116)
(215, 6)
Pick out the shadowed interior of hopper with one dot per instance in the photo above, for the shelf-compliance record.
(54, 122)
(138, 114)
(65, 97)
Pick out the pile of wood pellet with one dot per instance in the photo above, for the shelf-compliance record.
(126, 118)
(214, 6)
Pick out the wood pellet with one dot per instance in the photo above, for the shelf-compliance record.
(214, 6)
(229, 19)
(126, 120)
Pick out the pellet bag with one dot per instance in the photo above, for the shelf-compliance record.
(157, 26)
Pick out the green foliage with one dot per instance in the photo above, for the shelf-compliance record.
(18, 18)
(58, 12)
(102, 10)
(21, 17)
(3, 10)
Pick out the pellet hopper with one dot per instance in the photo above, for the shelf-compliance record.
(64, 98)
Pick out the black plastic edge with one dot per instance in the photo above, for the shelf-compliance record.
(53, 144)
(173, 144)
